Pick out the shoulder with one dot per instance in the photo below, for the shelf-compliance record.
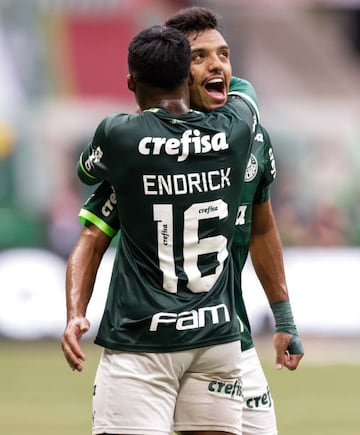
(116, 120)
(243, 86)
(264, 134)
(265, 148)
(246, 91)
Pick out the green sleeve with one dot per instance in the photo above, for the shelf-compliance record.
(85, 216)
(86, 168)
(245, 90)
(83, 174)
(101, 210)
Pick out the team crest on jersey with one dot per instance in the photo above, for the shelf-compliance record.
(251, 169)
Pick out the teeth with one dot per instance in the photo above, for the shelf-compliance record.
(215, 81)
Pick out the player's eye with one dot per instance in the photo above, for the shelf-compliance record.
(197, 56)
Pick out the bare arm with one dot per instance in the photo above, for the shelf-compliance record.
(81, 271)
(266, 253)
(267, 258)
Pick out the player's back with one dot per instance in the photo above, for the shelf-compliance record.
(178, 182)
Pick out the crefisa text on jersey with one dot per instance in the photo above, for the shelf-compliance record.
(110, 204)
(181, 147)
(180, 184)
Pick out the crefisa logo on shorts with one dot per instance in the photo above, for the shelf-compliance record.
(262, 401)
(229, 388)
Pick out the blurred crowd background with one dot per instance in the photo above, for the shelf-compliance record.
(63, 68)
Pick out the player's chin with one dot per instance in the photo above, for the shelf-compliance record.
(216, 102)
(212, 105)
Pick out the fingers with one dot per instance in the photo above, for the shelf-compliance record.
(281, 343)
(283, 357)
(70, 343)
(293, 361)
(74, 357)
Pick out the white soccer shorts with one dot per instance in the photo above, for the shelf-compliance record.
(258, 412)
(157, 393)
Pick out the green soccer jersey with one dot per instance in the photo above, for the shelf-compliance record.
(177, 181)
(100, 209)
(260, 173)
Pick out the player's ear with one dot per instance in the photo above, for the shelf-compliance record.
(131, 82)
(190, 79)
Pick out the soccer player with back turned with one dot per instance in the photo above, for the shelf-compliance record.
(170, 311)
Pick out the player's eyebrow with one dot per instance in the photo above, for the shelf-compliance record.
(199, 49)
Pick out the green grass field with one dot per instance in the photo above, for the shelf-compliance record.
(40, 395)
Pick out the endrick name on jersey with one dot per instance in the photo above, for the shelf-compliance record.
(182, 184)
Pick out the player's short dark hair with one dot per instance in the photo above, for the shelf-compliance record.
(194, 19)
(160, 56)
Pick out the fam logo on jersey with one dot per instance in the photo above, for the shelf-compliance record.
(251, 169)
(193, 319)
(181, 147)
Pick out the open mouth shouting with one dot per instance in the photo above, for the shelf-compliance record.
(216, 89)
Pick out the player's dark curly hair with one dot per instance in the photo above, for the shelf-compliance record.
(194, 19)
(160, 56)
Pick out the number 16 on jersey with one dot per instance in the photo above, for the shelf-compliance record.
(194, 245)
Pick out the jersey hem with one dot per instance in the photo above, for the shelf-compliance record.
(162, 348)
(248, 346)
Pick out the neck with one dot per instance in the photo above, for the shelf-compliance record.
(175, 106)
(176, 101)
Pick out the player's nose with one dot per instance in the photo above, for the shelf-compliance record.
(214, 64)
